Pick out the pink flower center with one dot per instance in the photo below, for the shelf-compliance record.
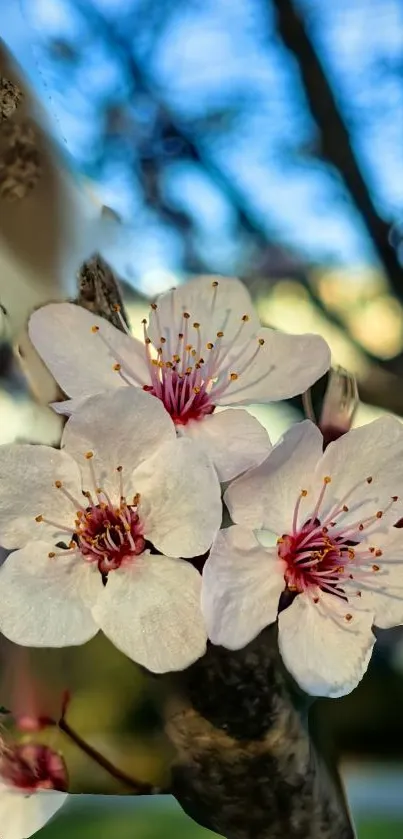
(323, 556)
(185, 375)
(32, 767)
(105, 533)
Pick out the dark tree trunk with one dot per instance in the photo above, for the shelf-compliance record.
(246, 767)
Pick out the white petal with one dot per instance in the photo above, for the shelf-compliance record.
(47, 602)
(265, 498)
(122, 428)
(77, 357)
(23, 815)
(180, 499)
(27, 489)
(233, 439)
(241, 586)
(383, 592)
(68, 406)
(326, 654)
(217, 309)
(151, 612)
(284, 366)
(374, 450)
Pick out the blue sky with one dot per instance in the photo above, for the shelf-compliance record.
(223, 50)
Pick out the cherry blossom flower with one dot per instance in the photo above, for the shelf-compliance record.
(203, 349)
(33, 787)
(314, 546)
(100, 527)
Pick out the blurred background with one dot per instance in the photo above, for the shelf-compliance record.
(261, 138)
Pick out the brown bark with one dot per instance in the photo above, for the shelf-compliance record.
(246, 766)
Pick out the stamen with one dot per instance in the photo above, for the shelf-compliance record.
(326, 480)
(61, 528)
(303, 494)
(119, 469)
(116, 308)
(77, 504)
(116, 355)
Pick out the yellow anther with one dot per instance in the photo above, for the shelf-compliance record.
(155, 362)
(176, 358)
(117, 367)
(245, 318)
(168, 364)
(379, 514)
(188, 370)
(233, 376)
(89, 455)
(94, 329)
(196, 325)
(345, 508)
(261, 341)
(210, 346)
(327, 479)
(186, 315)
(38, 518)
(51, 554)
(189, 347)
(196, 390)
(116, 307)
(304, 493)
(193, 353)
(220, 334)
(58, 484)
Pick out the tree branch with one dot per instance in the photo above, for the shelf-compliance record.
(336, 144)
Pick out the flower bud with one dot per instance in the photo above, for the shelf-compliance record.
(339, 405)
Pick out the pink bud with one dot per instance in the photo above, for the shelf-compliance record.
(339, 405)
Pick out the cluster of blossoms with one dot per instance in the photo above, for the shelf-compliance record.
(104, 531)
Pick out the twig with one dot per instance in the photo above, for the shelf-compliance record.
(137, 787)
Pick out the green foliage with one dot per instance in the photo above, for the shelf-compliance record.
(146, 823)
(159, 823)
